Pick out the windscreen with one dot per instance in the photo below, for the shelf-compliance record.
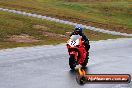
(75, 37)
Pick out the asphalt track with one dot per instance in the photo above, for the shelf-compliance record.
(47, 66)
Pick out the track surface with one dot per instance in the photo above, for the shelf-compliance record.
(47, 66)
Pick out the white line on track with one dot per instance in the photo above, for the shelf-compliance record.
(64, 22)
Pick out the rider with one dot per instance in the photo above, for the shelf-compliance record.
(78, 31)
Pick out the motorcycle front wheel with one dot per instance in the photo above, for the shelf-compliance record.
(72, 62)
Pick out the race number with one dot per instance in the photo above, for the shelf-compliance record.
(73, 42)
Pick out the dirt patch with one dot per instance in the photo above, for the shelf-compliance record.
(43, 28)
(22, 38)
(54, 35)
(68, 33)
(45, 31)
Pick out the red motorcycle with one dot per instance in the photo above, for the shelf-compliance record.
(77, 51)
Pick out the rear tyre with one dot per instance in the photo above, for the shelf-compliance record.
(82, 80)
(72, 63)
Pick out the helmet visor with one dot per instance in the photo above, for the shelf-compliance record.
(78, 31)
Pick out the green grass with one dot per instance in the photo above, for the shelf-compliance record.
(108, 14)
(13, 24)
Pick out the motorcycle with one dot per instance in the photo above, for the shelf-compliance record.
(77, 52)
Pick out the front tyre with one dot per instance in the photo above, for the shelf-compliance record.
(72, 63)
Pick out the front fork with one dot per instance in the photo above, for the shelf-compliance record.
(75, 55)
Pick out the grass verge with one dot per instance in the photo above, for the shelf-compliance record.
(108, 14)
(46, 32)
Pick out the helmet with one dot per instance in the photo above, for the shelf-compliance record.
(78, 29)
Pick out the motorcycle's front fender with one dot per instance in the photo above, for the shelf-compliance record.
(73, 53)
